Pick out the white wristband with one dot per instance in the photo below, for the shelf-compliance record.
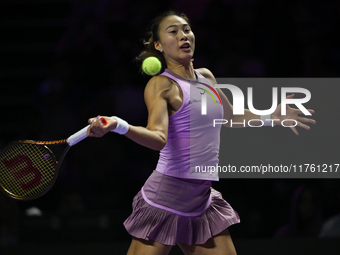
(267, 120)
(122, 126)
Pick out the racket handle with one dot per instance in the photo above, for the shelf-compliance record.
(82, 134)
(77, 137)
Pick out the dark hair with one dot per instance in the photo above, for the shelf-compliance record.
(153, 35)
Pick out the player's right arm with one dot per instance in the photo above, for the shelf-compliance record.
(156, 96)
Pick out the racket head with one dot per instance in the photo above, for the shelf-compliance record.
(27, 170)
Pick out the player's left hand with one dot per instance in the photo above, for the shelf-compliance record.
(292, 114)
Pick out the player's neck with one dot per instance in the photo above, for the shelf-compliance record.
(185, 71)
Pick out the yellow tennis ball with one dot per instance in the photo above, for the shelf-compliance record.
(151, 66)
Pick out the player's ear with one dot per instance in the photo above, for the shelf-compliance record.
(158, 46)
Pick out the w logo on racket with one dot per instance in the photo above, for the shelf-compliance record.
(26, 170)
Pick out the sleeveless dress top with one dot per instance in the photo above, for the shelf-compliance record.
(192, 141)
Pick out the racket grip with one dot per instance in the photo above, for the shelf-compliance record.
(77, 137)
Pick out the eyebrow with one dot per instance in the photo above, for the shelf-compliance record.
(184, 25)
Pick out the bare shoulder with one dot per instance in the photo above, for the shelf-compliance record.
(206, 73)
(158, 83)
(158, 86)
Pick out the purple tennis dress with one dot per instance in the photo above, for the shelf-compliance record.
(177, 203)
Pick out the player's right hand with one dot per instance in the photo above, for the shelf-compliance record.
(101, 125)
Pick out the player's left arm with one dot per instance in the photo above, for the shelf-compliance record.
(292, 117)
(291, 113)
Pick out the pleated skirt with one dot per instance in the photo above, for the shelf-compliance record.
(152, 223)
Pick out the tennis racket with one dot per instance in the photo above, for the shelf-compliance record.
(28, 169)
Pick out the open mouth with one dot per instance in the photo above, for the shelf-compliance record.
(185, 46)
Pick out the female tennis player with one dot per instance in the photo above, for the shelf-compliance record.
(176, 205)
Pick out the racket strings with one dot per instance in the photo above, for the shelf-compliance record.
(26, 170)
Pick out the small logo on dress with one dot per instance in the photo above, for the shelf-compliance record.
(208, 92)
(194, 101)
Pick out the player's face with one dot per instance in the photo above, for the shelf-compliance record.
(176, 40)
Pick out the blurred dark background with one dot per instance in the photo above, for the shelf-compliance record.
(64, 61)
